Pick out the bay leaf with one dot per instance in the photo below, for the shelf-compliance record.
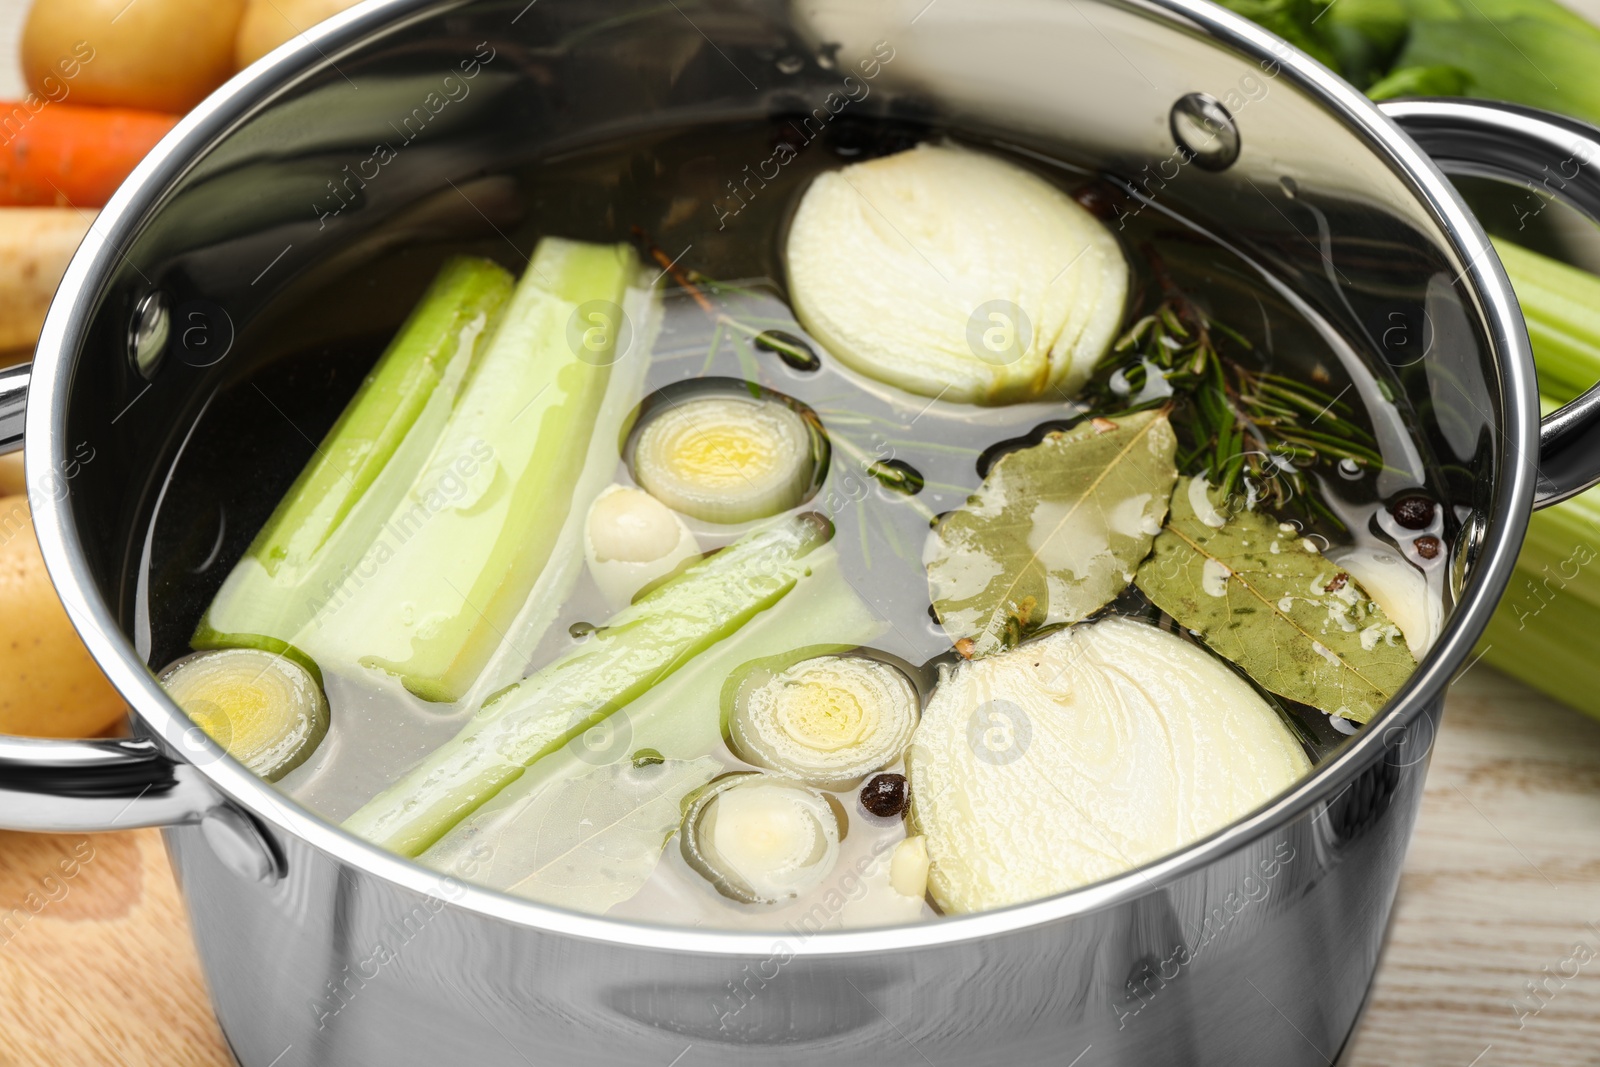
(1264, 597)
(585, 842)
(1054, 533)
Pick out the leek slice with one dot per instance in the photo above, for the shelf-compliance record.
(727, 452)
(338, 504)
(639, 646)
(826, 720)
(1082, 755)
(465, 546)
(759, 839)
(952, 273)
(264, 708)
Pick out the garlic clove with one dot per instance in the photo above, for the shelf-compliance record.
(630, 540)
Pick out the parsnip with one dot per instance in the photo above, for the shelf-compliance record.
(36, 244)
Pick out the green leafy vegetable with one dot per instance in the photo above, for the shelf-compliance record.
(584, 843)
(638, 647)
(1421, 81)
(1055, 531)
(1533, 52)
(1265, 598)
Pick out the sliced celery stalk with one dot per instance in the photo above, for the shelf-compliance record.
(316, 533)
(638, 647)
(1543, 630)
(460, 553)
(679, 718)
(1562, 307)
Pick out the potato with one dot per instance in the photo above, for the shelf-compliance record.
(49, 684)
(12, 482)
(36, 243)
(269, 23)
(165, 55)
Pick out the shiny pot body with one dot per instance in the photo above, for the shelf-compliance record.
(1256, 946)
(1262, 956)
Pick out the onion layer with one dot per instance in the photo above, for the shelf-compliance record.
(1082, 755)
(952, 273)
(1400, 589)
(715, 452)
(826, 720)
(761, 839)
(264, 708)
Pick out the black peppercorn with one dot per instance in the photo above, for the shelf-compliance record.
(1413, 512)
(1428, 546)
(886, 795)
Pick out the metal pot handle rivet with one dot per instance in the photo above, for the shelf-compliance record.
(1204, 131)
(148, 333)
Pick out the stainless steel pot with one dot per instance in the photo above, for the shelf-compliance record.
(1255, 946)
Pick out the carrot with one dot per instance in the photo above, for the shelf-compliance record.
(60, 154)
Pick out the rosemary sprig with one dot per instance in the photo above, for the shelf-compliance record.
(1247, 431)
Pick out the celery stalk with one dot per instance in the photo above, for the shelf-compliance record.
(460, 553)
(1543, 630)
(638, 647)
(316, 532)
(680, 717)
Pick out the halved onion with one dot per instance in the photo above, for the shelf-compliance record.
(1082, 755)
(631, 539)
(827, 720)
(263, 707)
(957, 274)
(712, 450)
(761, 839)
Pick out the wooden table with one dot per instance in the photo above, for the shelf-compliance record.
(1502, 882)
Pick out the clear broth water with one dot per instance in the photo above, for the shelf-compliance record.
(674, 186)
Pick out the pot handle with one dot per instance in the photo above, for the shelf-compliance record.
(109, 784)
(88, 786)
(1534, 148)
(13, 403)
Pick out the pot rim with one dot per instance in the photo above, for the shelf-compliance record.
(143, 194)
